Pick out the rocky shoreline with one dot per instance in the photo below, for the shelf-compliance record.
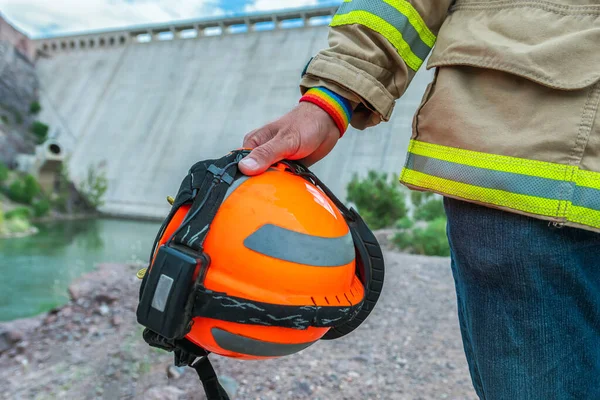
(92, 348)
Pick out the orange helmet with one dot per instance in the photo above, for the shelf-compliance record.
(257, 267)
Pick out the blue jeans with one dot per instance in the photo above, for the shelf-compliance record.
(528, 302)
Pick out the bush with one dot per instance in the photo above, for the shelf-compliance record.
(41, 208)
(430, 240)
(405, 223)
(3, 172)
(2, 224)
(35, 108)
(17, 225)
(19, 212)
(430, 210)
(94, 187)
(417, 198)
(24, 190)
(379, 202)
(18, 118)
(4, 119)
(40, 130)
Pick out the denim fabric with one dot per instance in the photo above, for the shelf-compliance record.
(528, 302)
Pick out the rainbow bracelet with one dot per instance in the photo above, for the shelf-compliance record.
(335, 105)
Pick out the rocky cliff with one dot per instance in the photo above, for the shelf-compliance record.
(18, 89)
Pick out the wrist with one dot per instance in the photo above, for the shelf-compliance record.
(338, 108)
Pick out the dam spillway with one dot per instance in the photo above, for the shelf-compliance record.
(148, 102)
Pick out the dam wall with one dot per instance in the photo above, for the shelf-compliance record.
(148, 102)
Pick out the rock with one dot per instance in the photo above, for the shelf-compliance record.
(104, 309)
(163, 393)
(305, 388)
(174, 372)
(107, 298)
(22, 346)
(8, 339)
(22, 360)
(14, 336)
(360, 359)
(66, 312)
(117, 320)
(5, 344)
(401, 362)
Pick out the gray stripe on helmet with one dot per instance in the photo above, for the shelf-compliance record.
(394, 18)
(284, 244)
(236, 184)
(253, 347)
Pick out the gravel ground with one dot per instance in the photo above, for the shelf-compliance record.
(409, 348)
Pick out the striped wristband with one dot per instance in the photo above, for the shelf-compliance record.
(335, 105)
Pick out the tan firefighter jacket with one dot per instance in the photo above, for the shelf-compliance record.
(511, 119)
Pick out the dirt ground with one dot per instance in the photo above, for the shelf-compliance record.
(409, 348)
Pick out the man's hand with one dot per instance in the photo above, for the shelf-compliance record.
(306, 133)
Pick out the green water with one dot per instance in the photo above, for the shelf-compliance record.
(37, 270)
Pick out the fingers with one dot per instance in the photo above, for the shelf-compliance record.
(260, 136)
(283, 145)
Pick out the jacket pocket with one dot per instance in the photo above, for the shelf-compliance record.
(554, 45)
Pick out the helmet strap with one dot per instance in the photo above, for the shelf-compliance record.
(208, 377)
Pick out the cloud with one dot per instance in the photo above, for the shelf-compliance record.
(268, 5)
(41, 17)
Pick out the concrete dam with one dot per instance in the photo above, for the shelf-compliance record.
(148, 102)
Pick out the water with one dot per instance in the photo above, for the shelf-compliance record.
(37, 270)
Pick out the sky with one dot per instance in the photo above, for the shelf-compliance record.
(42, 18)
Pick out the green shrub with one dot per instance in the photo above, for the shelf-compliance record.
(430, 240)
(2, 223)
(35, 108)
(417, 198)
(95, 186)
(430, 210)
(41, 208)
(17, 225)
(3, 172)
(4, 119)
(380, 202)
(404, 223)
(19, 212)
(18, 118)
(24, 190)
(40, 130)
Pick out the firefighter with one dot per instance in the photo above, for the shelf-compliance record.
(508, 132)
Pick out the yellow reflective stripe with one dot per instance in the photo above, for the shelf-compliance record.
(396, 20)
(581, 204)
(494, 162)
(530, 204)
(385, 29)
(415, 20)
(587, 179)
(584, 216)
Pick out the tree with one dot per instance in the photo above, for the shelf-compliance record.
(35, 108)
(40, 130)
(3, 172)
(95, 186)
(379, 202)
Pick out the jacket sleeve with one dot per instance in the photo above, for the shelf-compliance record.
(375, 49)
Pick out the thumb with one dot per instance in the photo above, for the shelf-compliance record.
(262, 157)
